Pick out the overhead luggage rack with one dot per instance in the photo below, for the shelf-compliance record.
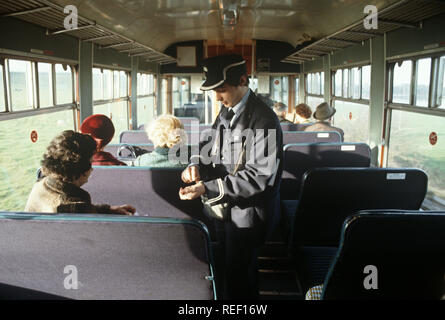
(405, 13)
(51, 16)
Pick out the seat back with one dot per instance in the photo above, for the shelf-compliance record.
(119, 151)
(289, 126)
(111, 257)
(186, 121)
(153, 192)
(404, 252)
(329, 195)
(292, 137)
(140, 137)
(299, 158)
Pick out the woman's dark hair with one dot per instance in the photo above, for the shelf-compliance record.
(68, 156)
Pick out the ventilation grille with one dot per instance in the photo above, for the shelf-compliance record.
(405, 13)
(51, 16)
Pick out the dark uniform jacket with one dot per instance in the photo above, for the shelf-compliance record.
(253, 191)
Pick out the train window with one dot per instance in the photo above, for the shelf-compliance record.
(313, 102)
(146, 98)
(412, 144)
(280, 89)
(180, 92)
(98, 84)
(297, 91)
(2, 91)
(322, 83)
(20, 157)
(338, 83)
(355, 82)
(108, 84)
(441, 84)
(423, 73)
(116, 82)
(353, 118)
(345, 83)
(45, 73)
(21, 83)
(366, 82)
(309, 83)
(253, 84)
(123, 84)
(64, 84)
(402, 82)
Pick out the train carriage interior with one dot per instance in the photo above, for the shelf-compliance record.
(373, 196)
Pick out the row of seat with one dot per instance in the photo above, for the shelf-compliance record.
(389, 254)
(382, 255)
(192, 124)
(75, 256)
(197, 133)
(140, 139)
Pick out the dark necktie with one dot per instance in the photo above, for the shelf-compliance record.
(228, 116)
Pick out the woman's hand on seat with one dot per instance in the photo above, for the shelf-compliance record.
(124, 209)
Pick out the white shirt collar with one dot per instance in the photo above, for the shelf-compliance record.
(239, 107)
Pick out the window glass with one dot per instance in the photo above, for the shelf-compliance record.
(338, 83)
(184, 89)
(64, 84)
(410, 146)
(353, 119)
(20, 78)
(297, 91)
(123, 84)
(355, 82)
(423, 82)
(145, 110)
(322, 83)
(118, 113)
(108, 84)
(366, 82)
(316, 83)
(45, 84)
(151, 84)
(309, 83)
(402, 82)
(313, 102)
(346, 83)
(2, 91)
(20, 157)
(285, 90)
(253, 84)
(98, 85)
(441, 84)
(115, 84)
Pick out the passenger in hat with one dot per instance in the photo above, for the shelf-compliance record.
(323, 115)
(237, 174)
(101, 128)
(66, 166)
(281, 111)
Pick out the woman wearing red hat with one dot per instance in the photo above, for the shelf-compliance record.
(101, 128)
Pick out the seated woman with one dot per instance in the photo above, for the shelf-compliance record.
(66, 166)
(303, 114)
(101, 128)
(165, 132)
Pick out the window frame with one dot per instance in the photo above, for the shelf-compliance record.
(349, 97)
(36, 109)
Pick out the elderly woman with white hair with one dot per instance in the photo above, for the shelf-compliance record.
(165, 132)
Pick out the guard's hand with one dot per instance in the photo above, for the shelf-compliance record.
(191, 174)
(125, 210)
(192, 192)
